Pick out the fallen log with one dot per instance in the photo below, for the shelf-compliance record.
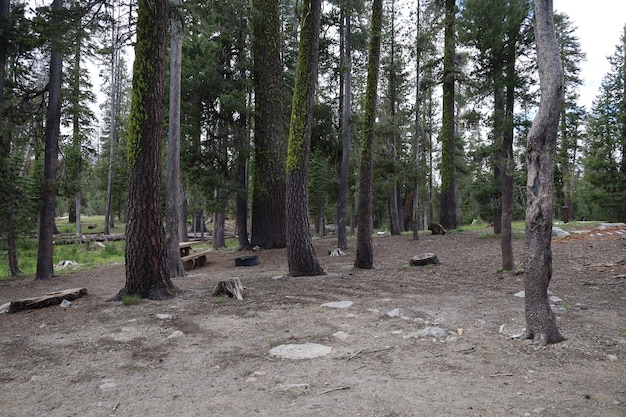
(424, 259)
(52, 298)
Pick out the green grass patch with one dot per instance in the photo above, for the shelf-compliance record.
(130, 300)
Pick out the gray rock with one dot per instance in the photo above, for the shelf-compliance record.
(428, 332)
(396, 312)
(176, 335)
(558, 232)
(292, 388)
(338, 304)
(301, 351)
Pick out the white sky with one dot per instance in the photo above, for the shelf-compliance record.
(600, 25)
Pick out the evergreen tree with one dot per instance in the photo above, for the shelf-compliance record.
(604, 163)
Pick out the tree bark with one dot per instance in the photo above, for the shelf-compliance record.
(268, 199)
(540, 154)
(342, 198)
(364, 249)
(175, 265)
(415, 221)
(448, 208)
(300, 252)
(146, 270)
(45, 267)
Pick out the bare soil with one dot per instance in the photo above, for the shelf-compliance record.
(197, 355)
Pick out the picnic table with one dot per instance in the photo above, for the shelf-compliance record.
(191, 260)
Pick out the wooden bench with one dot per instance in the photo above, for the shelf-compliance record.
(195, 259)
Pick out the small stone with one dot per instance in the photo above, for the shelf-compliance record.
(338, 304)
(65, 304)
(396, 312)
(176, 335)
(301, 351)
(611, 357)
(555, 299)
(293, 388)
(107, 385)
(520, 294)
(396, 332)
(276, 277)
(419, 320)
(341, 335)
(164, 316)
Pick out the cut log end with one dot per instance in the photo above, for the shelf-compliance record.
(231, 287)
(425, 259)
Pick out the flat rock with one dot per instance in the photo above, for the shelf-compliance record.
(301, 351)
(558, 232)
(338, 304)
(396, 312)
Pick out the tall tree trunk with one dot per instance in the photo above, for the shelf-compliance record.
(346, 120)
(416, 134)
(364, 248)
(243, 147)
(175, 266)
(448, 208)
(108, 213)
(498, 131)
(146, 269)
(217, 235)
(540, 154)
(5, 146)
(508, 162)
(268, 200)
(77, 141)
(45, 267)
(300, 252)
(394, 217)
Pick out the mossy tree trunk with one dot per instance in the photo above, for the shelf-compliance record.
(364, 248)
(269, 187)
(540, 154)
(300, 252)
(45, 267)
(146, 271)
(448, 208)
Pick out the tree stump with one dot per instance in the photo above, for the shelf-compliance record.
(436, 229)
(231, 287)
(424, 259)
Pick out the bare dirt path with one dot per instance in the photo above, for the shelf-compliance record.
(197, 355)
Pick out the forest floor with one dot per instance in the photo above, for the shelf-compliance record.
(416, 341)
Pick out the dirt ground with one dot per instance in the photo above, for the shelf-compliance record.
(197, 355)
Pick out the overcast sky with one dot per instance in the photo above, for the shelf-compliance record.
(600, 25)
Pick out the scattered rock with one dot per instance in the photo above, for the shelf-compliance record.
(301, 351)
(611, 357)
(428, 332)
(164, 316)
(65, 304)
(176, 335)
(338, 304)
(558, 232)
(396, 312)
(555, 299)
(107, 385)
(341, 335)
